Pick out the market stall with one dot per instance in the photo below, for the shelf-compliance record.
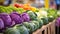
(19, 18)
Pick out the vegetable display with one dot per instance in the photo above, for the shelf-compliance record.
(25, 19)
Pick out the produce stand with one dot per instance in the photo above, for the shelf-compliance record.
(26, 19)
(48, 29)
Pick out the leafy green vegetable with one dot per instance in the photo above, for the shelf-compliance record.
(52, 12)
(12, 31)
(40, 22)
(50, 19)
(36, 24)
(29, 25)
(32, 15)
(22, 29)
(45, 20)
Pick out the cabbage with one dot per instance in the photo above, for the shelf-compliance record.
(58, 13)
(41, 14)
(13, 23)
(12, 31)
(26, 17)
(52, 12)
(29, 26)
(1, 24)
(32, 15)
(17, 18)
(14, 12)
(58, 22)
(22, 29)
(6, 18)
(36, 26)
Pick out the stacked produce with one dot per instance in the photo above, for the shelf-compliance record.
(24, 19)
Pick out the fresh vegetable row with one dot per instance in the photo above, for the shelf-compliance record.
(10, 20)
(20, 8)
(28, 22)
(19, 20)
(10, 9)
(25, 28)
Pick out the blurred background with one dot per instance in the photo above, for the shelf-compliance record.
(36, 3)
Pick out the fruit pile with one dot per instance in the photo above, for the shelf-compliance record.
(24, 19)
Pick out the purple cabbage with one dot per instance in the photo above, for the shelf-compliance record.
(13, 23)
(14, 12)
(25, 17)
(6, 18)
(16, 17)
(1, 24)
(58, 22)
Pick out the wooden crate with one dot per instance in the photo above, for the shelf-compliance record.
(46, 29)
